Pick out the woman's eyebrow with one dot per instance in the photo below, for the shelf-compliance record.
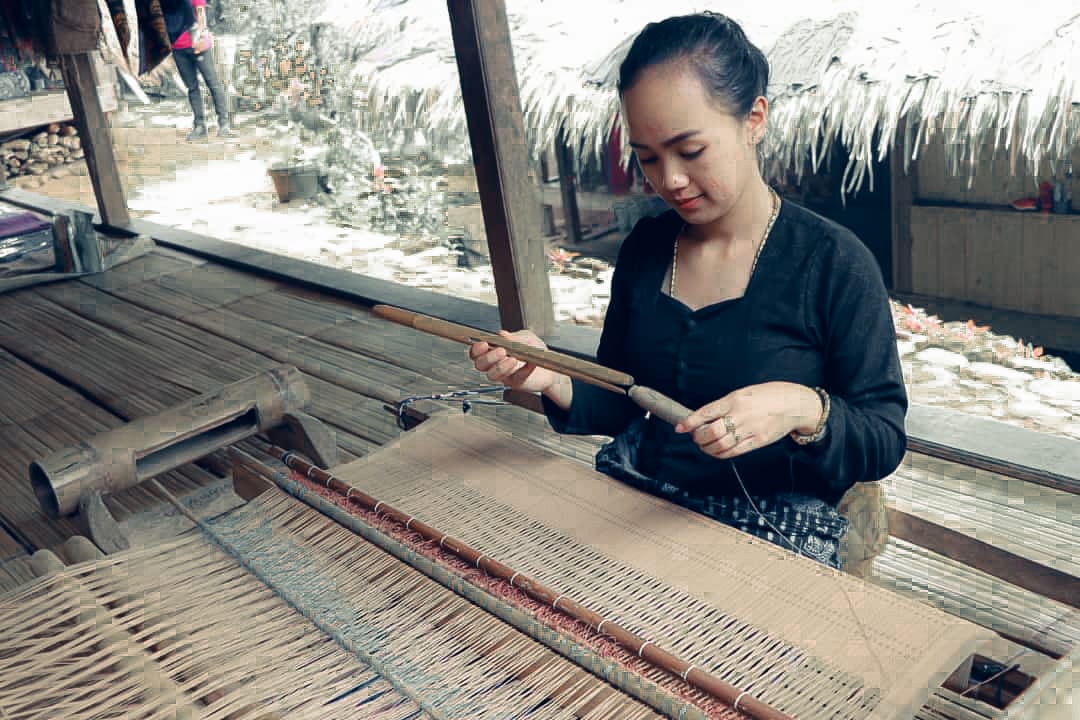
(674, 140)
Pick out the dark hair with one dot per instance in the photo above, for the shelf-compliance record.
(732, 69)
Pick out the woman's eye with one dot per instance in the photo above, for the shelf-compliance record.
(692, 155)
(646, 161)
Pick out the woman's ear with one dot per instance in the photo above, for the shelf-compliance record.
(757, 121)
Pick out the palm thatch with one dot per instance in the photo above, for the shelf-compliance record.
(964, 72)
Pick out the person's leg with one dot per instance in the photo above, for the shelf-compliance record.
(185, 63)
(207, 64)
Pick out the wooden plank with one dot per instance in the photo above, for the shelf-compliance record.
(1058, 264)
(1036, 457)
(925, 232)
(1032, 261)
(931, 169)
(509, 200)
(1011, 568)
(140, 270)
(952, 254)
(45, 107)
(1066, 236)
(79, 79)
(981, 281)
(1006, 248)
(902, 195)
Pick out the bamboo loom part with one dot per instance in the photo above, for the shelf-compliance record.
(644, 648)
(656, 403)
(123, 457)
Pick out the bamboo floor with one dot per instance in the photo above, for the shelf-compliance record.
(84, 355)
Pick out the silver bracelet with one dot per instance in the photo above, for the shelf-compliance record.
(819, 431)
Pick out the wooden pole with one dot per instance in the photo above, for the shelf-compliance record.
(81, 84)
(508, 197)
(549, 212)
(902, 192)
(571, 215)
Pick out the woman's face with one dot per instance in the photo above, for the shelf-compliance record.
(696, 155)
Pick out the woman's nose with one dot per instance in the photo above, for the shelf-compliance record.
(675, 180)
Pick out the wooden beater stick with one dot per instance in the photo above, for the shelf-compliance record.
(656, 403)
(643, 648)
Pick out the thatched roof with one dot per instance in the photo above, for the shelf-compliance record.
(842, 70)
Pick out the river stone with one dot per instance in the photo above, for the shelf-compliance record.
(997, 374)
(1056, 389)
(932, 376)
(1030, 364)
(942, 358)
(905, 347)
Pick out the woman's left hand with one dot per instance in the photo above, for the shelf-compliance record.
(752, 417)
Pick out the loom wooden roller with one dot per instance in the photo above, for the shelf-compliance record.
(75, 477)
(648, 399)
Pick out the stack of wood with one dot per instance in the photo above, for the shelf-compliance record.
(46, 153)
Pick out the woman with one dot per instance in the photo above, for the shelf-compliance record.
(193, 51)
(771, 321)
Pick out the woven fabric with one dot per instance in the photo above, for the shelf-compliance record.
(793, 521)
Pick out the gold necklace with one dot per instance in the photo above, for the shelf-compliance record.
(757, 254)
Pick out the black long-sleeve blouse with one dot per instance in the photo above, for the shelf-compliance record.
(815, 312)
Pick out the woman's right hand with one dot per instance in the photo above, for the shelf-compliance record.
(501, 367)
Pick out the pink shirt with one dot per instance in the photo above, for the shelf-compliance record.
(184, 41)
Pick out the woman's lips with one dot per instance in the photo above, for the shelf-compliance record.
(689, 203)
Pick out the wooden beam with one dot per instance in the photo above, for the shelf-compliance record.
(568, 186)
(1020, 571)
(96, 138)
(902, 191)
(508, 198)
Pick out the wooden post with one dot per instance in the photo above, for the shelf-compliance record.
(78, 72)
(902, 190)
(571, 216)
(511, 208)
(549, 212)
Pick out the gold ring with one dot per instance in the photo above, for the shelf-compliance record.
(729, 425)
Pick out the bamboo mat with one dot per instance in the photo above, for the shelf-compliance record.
(15, 572)
(990, 507)
(662, 569)
(86, 356)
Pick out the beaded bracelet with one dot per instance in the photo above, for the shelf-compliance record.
(819, 431)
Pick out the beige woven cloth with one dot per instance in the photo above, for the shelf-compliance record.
(785, 624)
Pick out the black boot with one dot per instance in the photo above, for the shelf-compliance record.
(197, 133)
(225, 130)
